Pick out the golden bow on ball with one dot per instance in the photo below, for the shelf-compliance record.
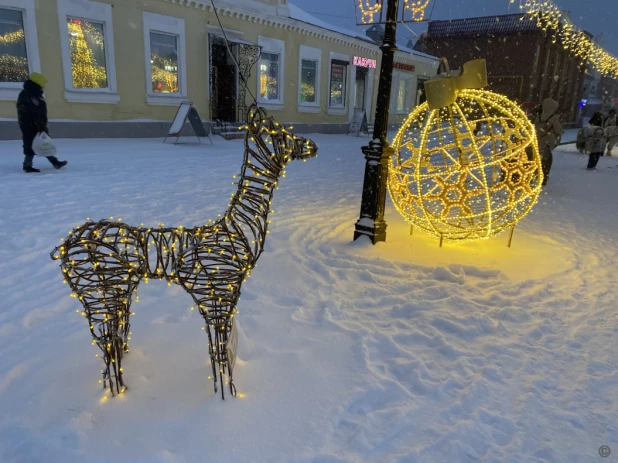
(441, 91)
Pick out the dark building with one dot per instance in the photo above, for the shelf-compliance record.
(523, 62)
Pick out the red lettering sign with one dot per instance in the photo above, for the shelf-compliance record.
(404, 67)
(365, 62)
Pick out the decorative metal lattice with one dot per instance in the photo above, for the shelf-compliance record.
(103, 262)
(247, 55)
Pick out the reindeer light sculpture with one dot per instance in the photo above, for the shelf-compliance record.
(103, 262)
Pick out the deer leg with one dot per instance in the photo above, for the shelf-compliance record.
(103, 281)
(109, 325)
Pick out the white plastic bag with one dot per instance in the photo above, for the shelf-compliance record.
(43, 145)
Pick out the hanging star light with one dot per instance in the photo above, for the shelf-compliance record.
(466, 163)
(371, 11)
(550, 18)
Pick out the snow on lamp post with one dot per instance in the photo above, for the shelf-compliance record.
(377, 154)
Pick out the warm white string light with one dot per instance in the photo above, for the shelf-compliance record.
(468, 170)
(550, 18)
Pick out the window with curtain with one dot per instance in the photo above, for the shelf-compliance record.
(338, 74)
(164, 62)
(403, 90)
(308, 81)
(269, 76)
(87, 51)
(13, 56)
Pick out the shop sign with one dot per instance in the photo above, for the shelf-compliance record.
(404, 67)
(365, 62)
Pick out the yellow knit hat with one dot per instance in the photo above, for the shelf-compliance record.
(38, 79)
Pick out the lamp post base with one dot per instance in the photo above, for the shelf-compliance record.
(374, 230)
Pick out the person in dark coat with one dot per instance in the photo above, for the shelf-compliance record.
(594, 137)
(549, 131)
(32, 118)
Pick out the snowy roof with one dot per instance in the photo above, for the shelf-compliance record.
(487, 25)
(301, 15)
(411, 51)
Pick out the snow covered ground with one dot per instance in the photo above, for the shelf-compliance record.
(403, 352)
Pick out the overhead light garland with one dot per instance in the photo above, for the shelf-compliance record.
(466, 163)
(550, 18)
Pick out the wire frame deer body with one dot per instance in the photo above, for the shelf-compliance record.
(103, 262)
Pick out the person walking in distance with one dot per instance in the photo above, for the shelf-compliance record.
(549, 131)
(32, 118)
(595, 140)
(611, 131)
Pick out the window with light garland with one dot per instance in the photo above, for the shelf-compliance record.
(338, 75)
(308, 81)
(269, 76)
(164, 62)
(87, 51)
(13, 54)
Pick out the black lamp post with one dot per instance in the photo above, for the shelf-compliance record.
(377, 154)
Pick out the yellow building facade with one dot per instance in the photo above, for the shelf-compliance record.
(121, 68)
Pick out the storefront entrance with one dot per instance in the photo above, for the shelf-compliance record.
(227, 63)
(360, 89)
(222, 83)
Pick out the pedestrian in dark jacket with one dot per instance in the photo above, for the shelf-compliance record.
(594, 137)
(32, 118)
(549, 131)
(610, 124)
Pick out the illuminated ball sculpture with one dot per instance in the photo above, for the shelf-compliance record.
(466, 163)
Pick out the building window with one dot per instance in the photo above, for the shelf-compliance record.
(269, 77)
(271, 72)
(401, 94)
(308, 77)
(164, 62)
(421, 96)
(19, 54)
(87, 47)
(13, 56)
(338, 77)
(165, 59)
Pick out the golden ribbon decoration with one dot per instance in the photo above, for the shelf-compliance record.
(441, 91)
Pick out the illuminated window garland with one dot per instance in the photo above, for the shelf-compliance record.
(12, 37)
(86, 70)
(164, 69)
(550, 17)
(13, 55)
(466, 171)
(13, 68)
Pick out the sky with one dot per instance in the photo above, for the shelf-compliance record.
(595, 16)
